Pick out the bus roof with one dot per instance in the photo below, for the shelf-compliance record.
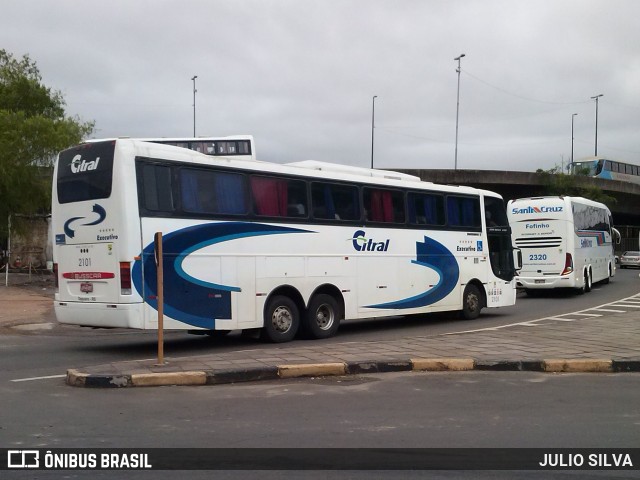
(307, 168)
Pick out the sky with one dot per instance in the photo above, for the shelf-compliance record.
(300, 75)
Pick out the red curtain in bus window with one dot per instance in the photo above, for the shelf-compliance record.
(270, 196)
(381, 206)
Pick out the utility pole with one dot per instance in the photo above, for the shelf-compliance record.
(596, 99)
(194, 105)
(373, 120)
(455, 164)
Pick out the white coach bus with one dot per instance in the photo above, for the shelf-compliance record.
(565, 242)
(253, 245)
(238, 146)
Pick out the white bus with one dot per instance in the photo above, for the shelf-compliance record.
(253, 245)
(565, 242)
(240, 146)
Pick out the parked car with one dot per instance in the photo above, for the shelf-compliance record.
(630, 259)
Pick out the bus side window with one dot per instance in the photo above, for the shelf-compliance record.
(384, 205)
(156, 186)
(211, 192)
(279, 197)
(334, 202)
(426, 209)
(463, 212)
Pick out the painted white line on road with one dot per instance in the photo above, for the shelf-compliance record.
(535, 323)
(38, 378)
(626, 305)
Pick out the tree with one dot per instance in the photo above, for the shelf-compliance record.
(33, 129)
(578, 185)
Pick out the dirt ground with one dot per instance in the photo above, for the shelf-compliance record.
(28, 299)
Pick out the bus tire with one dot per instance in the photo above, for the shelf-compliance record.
(322, 318)
(281, 320)
(608, 279)
(587, 281)
(471, 303)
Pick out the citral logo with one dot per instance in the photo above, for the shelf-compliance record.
(80, 165)
(530, 209)
(363, 244)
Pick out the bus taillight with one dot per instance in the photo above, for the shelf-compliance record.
(568, 265)
(125, 278)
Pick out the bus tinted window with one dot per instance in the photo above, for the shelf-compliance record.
(279, 197)
(426, 208)
(463, 212)
(495, 213)
(334, 202)
(587, 217)
(381, 205)
(156, 192)
(213, 192)
(85, 173)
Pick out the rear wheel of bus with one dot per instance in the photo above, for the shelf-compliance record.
(323, 317)
(281, 320)
(586, 282)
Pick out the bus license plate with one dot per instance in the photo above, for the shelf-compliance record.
(539, 281)
(86, 287)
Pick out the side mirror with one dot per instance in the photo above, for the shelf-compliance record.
(517, 259)
(616, 236)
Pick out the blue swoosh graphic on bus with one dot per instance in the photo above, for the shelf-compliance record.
(434, 255)
(99, 209)
(102, 214)
(186, 298)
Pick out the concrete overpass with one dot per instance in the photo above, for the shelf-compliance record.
(626, 210)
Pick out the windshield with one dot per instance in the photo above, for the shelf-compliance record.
(584, 168)
(85, 172)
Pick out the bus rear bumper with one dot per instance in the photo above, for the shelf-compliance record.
(121, 315)
(547, 282)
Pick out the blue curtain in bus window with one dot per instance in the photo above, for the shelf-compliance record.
(328, 202)
(468, 212)
(270, 196)
(431, 210)
(453, 213)
(230, 195)
(189, 190)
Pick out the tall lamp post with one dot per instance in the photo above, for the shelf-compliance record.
(457, 109)
(572, 117)
(194, 105)
(596, 99)
(373, 119)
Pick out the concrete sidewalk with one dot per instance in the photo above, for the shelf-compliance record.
(600, 339)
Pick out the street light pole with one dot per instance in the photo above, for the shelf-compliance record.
(373, 119)
(572, 117)
(194, 105)
(596, 99)
(457, 109)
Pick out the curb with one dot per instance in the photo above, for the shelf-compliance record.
(76, 378)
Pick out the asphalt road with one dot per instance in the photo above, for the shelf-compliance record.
(474, 409)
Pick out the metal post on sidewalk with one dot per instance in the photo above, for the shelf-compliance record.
(160, 295)
(6, 273)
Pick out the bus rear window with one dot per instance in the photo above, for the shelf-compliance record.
(85, 172)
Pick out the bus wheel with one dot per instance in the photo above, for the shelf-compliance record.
(471, 303)
(281, 320)
(587, 281)
(608, 279)
(323, 317)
